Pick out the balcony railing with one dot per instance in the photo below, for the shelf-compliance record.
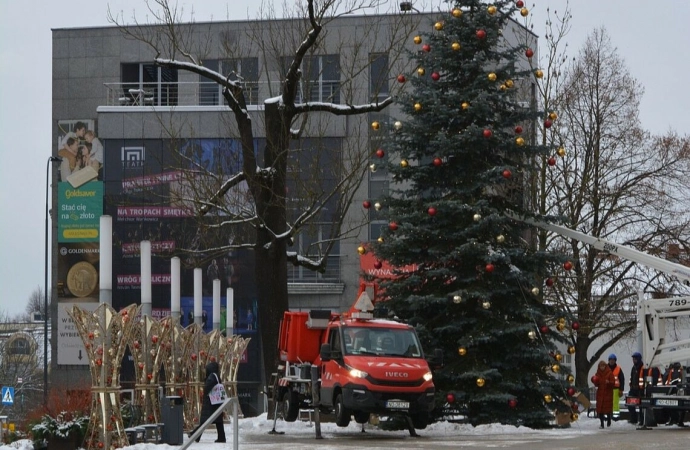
(207, 93)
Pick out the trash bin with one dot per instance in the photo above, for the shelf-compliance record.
(172, 415)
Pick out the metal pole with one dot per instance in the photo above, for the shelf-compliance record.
(45, 293)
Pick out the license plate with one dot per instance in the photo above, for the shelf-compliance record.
(395, 404)
(664, 402)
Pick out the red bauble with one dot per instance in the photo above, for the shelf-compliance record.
(520, 4)
(512, 403)
(571, 391)
(507, 174)
(377, 264)
(438, 162)
(547, 123)
(426, 47)
(595, 379)
(154, 338)
(213, 359)
(552, 161)
(568, 265)
(529, 53)
(489, 268)
(544, 329)
(518, 129)
(549, 282)
(450, 397)
(401, 78)
(575, 326)
(435, 76)
(481, 34)
(193, 356)
(366, 204)
(575, 407)
(392, 226)
(380, 153)
(487, 133)
(431, 211)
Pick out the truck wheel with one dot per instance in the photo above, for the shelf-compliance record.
(361, 417)
(342, 414)
(290, 406)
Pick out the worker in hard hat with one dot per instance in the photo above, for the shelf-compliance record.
(619, 384)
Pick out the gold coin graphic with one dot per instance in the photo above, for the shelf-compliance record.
(82, 279)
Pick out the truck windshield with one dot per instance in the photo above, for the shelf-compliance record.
(381, 341)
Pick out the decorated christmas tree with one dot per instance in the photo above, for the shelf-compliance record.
(471, 280)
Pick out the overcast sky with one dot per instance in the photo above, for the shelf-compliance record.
(653, 39)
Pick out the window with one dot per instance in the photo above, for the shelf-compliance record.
(321, 78)
(245, 70)
(148, 84)
(378, 76)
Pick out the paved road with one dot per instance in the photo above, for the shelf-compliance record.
(621, 437)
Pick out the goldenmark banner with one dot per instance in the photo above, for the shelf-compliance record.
(79, 212)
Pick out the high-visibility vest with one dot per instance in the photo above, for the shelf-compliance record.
(641, 379)
(670, 377)
(616, 371)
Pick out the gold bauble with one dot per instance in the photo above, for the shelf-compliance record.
(492, 76)
(561, 152)
(574, 417)
(397, 125)
(535, 291)
(548, 398)
(481, 382)
(375, 125)
(560, 326)
(456, 46)
(491, 10)
(438, 26)
(417, 39)
(571, 378)
(503, 87)
(361, 250)
(561, 320)
(539, 73)
(417, 106)
(380, 240)
(462, 351)
(377, 206)
(524, 12)
(558, 357)
(457, 12)
(532, 335)
(477, 217)
(571, 350)
(465, 105)
(553, 116)
(509, 83)
(373, 167)
(421, 71)
(403, 163)
(500, 239)
(486, 304)
(555, 368)
(457, 299)
(520, 141)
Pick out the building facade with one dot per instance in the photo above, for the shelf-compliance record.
(144, 126)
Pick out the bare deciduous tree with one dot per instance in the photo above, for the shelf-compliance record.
(271, 200)
(615, 182)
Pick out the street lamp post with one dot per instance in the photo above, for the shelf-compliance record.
(45, 292)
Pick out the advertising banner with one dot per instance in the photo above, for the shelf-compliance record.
(79, 212)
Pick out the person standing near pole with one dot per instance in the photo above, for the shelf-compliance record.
(620, 382)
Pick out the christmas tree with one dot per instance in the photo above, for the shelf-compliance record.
(472, 282)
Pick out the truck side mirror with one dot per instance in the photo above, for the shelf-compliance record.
(325, 352)
(436, 361)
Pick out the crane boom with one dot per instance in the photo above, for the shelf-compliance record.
(660, 264)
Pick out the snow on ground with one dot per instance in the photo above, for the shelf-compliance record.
(261, 426)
